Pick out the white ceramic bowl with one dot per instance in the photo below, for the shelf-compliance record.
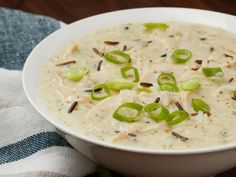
(130, 161)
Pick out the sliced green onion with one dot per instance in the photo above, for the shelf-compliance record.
(169, 87)
(164, 78)
(167, 82)
(125, 69)
(117, 57)
(161, 26)
(104, 172)
(191, 84)
(152, 109)
(120, 84)
(125, 111)
(143, 90)
(213, 72)
(181, 56)
(98, 95)
(199, 105)
(76, 73)
(177, 117)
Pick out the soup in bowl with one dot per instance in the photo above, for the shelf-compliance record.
(145, 92)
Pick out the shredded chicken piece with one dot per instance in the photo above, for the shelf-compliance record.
(71, 50)
(230, 64)
(226, 87)
(168, 44)
(169, 99)
(185, 101)
(63, 90)
(85, 100)
(201, 119)
(58, 76)
(120, 136)
(137, 127)
(74, 47)
(189, 75)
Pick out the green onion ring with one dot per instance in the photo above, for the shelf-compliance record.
(191, 84)
(177, 117)
(76, 73)
(169, 87)
(164, 78)
(120, 84)
(181, 56)
(162, 115)
(124, 70)
(199, 105)
(112, 57)
(129, 105)
(143, 90)
(102, 87)
(213, 72)
(160, 26)
(167, 82)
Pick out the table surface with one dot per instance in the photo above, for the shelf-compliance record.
(72, 10)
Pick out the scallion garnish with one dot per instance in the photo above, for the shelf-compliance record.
(164, 78)
(199, 105)
(120, 84)
(125, 69)
(146, 90)
(156, 111)
(167, 81)
(128, 112)
(169, 87)
(117, 57)
(181, 56)
(103, 92)
(177, 117)
(76, 73)
(191, 84)
(160, 26)
(213, 72)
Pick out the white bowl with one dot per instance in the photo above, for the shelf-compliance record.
(130, 161)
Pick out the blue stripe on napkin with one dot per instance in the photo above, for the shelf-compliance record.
(20, 32)
(31, 145)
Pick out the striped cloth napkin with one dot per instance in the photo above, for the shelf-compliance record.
(29, 145)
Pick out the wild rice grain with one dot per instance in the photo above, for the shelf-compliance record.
(72, 107)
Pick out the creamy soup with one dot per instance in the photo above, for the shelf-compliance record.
(153, 85)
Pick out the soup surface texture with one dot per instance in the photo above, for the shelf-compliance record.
(188, 70)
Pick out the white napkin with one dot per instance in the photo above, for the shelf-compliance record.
(29, 145)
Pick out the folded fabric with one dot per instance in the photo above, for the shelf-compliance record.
(29, 145)
(20, 32)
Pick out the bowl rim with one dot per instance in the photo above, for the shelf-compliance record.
(69, 131)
